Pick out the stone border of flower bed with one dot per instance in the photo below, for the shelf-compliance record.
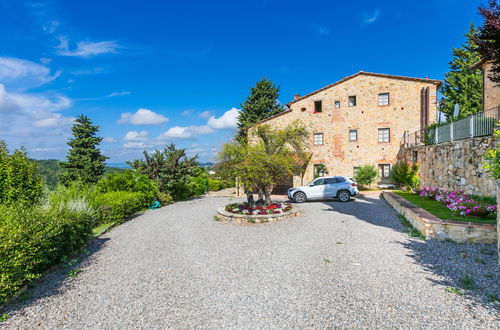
(226, 216)
(435, 228)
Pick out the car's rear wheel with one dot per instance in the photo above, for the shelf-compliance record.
(299, 197)
(344, 196)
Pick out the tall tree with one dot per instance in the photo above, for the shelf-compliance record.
(489, 37)
(84, 161)
(262, 103)
(463, 83)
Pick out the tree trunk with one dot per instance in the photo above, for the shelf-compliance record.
(261, 194)
(267, 194)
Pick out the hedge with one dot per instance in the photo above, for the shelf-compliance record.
(116, 206)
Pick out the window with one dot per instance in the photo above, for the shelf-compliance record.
(415, 156)
(337, 104)
(384, 171)
(353, 135)
(339, 180)
(318, 139)
(330, 181)
(352, 101)
(383, 99)
(317, 182)
(318, 106)
(355, 171)
(384, 135)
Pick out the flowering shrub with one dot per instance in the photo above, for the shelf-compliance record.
(275, 208)
(457, 201)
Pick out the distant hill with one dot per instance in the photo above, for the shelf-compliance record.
(50, 170)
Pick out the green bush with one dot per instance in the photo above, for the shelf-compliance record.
(366, 175)
(214, 184)
(165, 199)
(34, 239)
(405, 175)
(19, 180)
(116, 206)
(130, 181)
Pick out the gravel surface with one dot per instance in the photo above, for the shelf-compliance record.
(337, 265)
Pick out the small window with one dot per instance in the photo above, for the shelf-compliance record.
(337, 104)
(355, 171)
(318, 139)
(383, 99)
(384, 171)
(352, 101)
(318, 106)
(353, 135)
(384, 135)
(415, 156)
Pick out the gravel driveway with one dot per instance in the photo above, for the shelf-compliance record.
(337, 265)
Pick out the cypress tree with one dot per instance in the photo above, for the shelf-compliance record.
(463, 84)
(262, 103)
(84, 162)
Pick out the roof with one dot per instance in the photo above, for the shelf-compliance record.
(381, 75)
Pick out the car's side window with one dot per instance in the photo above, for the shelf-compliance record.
(318, 182)
(339, 180)
(329, 181)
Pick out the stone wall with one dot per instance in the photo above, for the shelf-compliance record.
(456, 165)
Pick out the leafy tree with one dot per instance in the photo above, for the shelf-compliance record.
(129, 180)
(320, 170)
(492, 159)
(488, 39)
(84, 161)
(170, 169)
(19, 179)
(463, 83)
(270, 156)
(262, 103)
(365, 175)
(405, 175)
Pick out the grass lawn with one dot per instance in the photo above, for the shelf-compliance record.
(440, 210)
(99, 229)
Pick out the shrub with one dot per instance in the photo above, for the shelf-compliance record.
(365, 175)
(405, 175)
(214, 184)
(165, 199)
(130, 181)
(492, 159)
(19, 180)
(116, 206)
(33, 239)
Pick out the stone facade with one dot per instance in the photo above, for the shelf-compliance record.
(411, 104)
(456, 165)
(491, 90)
(434, 228)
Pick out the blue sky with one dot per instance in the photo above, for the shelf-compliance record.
(154, 72)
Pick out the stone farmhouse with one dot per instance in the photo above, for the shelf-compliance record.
(359, 120)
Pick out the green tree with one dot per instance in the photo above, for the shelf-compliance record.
(262, 103)
(270, 156)
(489, 37)
(84, 161)
(463, 83)
(365, 175)
(492, 159)
(405, 175)
(19, 179)
(170, 169)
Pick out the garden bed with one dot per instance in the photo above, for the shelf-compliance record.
(241, 213)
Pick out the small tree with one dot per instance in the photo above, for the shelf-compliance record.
(488, 39)
(492, 159)
(170, 169)
(365, 175)
(19, 179)
(463, 83)
(270, 156)
(262, 103)
(84, 161)
(405, 175)
(320, 170)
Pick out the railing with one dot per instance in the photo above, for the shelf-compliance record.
(480, 124)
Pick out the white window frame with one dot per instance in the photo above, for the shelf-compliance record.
(353, 104)
(384, 171)
(355, 131)
(383, 99)
(337, 104)
(384, 137)
(318, 139)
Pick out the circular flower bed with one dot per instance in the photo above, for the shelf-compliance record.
(244, 209)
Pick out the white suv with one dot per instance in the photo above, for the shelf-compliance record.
(340, 187)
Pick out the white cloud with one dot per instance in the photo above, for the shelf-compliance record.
(114, 94)
(136, 136)
(142, 117)
(17, 73)
(205, 114)
(109, 140)
(189, 132)
(53, 120)
(87, 49)
(369, 19)
(135, 145)
(122, 93)
(228, 120)
(186, 113)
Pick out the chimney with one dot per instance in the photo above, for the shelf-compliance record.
(296, 97)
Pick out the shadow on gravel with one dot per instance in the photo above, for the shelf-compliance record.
(54, 280)
(470, 270)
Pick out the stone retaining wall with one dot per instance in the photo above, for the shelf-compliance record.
(433, 227)
(225, 216)
(456, 165)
